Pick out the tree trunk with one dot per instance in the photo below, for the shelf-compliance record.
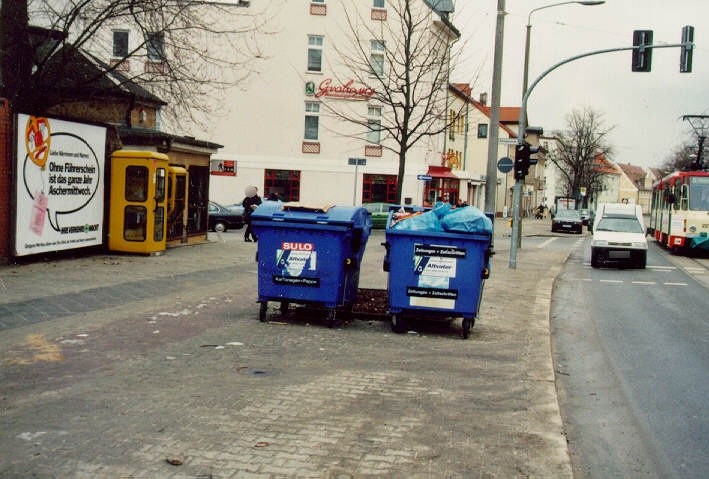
(400, 178)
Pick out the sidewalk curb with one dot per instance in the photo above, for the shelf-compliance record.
(546, 420)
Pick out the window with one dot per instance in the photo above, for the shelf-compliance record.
(378, 4)
(315, 45)
(284, 182)
(482, 130)
(378, 188)
(376, 57)
(312, 118)
(317, 1)
(451, 124)
(374, 124)
(155, 45)
(120, 43)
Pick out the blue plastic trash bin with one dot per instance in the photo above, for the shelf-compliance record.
(309, 256)
(435, 275)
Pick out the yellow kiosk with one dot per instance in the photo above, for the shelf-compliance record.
(138, 204)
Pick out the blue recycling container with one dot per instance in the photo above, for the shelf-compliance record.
(309, 256)
(435, 275)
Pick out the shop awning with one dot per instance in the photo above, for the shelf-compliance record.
(440, 172)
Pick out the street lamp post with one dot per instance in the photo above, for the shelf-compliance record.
(529, 31)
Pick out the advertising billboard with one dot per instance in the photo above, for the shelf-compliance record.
(59, 185)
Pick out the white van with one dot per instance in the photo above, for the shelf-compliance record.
(619, 235)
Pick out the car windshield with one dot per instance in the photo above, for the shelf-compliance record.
(373, 207)
(620, 225)
(568, 215)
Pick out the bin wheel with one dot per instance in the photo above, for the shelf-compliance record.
(331, 318)
(262, 311)
(467, 326)
(284, 308)
(398, 324)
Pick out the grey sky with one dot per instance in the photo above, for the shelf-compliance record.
(645, 108)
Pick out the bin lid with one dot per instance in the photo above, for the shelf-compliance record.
(334, 215)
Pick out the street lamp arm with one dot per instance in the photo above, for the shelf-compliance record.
(523, 110)
(580, 2)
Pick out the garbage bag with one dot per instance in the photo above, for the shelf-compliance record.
(467, 219)
(427, 221)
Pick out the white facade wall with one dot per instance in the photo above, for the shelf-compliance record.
(263, 127)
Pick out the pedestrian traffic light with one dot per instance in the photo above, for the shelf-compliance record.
(642, 51)
(685, 58)
(521, 159)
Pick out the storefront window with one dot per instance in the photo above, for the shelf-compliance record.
(378, 188)
(285, 183)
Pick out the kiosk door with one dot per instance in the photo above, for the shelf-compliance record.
(138, 202)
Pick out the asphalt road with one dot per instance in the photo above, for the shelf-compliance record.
(631, 355)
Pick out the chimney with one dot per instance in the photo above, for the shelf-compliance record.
(483, 98)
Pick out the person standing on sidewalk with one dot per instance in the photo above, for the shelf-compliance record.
(250, 202)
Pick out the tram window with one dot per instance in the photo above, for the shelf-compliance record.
(136, 183)
(684, 198)
(699, 194)
(135, 220)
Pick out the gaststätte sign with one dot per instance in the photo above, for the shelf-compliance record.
(345, 91)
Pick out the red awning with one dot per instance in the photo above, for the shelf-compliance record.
(440, 172)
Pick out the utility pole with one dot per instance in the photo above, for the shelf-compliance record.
(494, 134)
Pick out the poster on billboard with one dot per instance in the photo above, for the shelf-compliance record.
(59, 185)
(222, 167)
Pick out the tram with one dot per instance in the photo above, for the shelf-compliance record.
(679, 212)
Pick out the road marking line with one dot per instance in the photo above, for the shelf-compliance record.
(644, 282)
(662, 267)
(675, 284)
(611, 281)
(550, 240)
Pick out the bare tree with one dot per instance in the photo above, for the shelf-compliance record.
(578, 150)
(682, 158)
(405, 62)
(185, 51)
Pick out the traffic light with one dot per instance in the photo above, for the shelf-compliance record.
(685, 58)
(521, 159)
(642, 51)
(531, 150)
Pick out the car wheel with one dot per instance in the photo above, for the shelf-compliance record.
(595, 263)
(220, 227)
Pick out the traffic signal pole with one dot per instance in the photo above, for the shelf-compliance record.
(516, 195)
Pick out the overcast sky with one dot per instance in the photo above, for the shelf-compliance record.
(644, 108)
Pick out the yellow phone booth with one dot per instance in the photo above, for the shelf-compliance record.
(138, 202)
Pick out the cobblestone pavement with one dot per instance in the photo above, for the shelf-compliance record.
(114, 364)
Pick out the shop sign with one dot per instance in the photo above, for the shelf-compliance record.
(59, 185)
(344, 91)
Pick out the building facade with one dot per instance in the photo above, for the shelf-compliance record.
(313, 127)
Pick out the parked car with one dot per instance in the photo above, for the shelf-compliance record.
(235, 207)
(619, 237)
(379, 213)
(222, 218)
(567, 221)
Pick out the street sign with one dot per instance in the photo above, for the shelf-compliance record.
(507, 141)
(357, 161)
(424, 177)
(505, 164)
